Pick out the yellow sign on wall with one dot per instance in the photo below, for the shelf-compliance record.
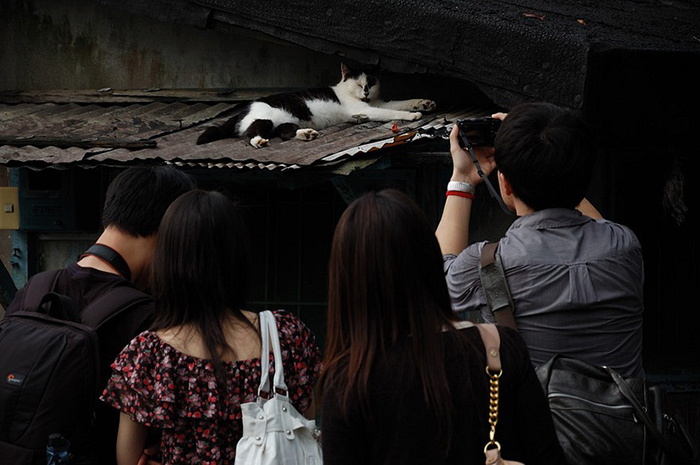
(9, 208)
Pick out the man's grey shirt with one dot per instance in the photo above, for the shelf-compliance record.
(576, 285)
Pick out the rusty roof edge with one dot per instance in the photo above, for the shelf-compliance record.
(435, 128)
(229, 165)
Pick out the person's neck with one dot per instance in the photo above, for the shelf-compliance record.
(137, 251)
(521, 208)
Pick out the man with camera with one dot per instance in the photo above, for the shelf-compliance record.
(575, 278)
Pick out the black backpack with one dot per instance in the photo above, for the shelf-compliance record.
(50, 370)
(599, 416)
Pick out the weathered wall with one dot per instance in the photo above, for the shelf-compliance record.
(5, 235)
(78, 44)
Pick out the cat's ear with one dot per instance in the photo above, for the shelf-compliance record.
(345, 71)
(372, 80)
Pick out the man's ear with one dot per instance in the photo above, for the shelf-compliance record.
(505, 184)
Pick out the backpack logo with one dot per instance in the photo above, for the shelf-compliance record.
(14, 379)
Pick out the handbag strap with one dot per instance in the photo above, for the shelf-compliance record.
(270, 337)
(277, 351)
(492, 344)
(264, 354)
(495, 285)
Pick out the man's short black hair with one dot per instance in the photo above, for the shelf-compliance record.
(547, 154)
(138, 197)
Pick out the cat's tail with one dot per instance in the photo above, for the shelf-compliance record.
(225, 131)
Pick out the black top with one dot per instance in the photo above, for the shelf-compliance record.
(84, 285)
(400, 425)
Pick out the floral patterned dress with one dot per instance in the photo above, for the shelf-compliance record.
(161, 388)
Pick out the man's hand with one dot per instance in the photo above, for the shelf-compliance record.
(463, 168)
(453, 231)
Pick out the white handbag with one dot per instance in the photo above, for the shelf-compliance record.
(274, 432)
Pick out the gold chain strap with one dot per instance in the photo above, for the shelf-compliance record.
(493, 408)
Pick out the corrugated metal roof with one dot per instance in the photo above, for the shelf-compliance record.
(62, 134)
(71, 133)
(439, 126)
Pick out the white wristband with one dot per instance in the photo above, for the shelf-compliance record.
(460, 187)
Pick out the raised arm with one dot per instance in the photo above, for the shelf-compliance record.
(453, 231)
(588, 209)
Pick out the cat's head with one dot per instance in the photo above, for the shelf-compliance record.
(361, 85)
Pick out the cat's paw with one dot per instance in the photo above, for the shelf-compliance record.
(307, 134)
(424, 105)
(259, 142)
(415, 115)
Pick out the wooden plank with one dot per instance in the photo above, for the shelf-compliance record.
(80, 143)
(130, 122)
(126, 96)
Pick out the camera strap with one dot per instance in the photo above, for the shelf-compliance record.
(112, 258)
(492, 190)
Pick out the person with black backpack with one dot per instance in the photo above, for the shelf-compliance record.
(63, 330)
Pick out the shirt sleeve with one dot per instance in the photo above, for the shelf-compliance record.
(302, 359)
(139, 387)
(463, 282)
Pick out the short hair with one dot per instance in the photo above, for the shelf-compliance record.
(138, 197)
(547, 154)
(201, 266)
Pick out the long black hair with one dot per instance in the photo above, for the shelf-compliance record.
(387, 285)
(200, 268)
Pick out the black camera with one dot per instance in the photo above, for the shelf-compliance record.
(479, 130)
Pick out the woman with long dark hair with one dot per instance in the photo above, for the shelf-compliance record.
(403, 380)
(189, 374)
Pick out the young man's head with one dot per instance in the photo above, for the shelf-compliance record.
(546, 153)
(138, 197)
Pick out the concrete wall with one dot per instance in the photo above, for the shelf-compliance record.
(79, 44)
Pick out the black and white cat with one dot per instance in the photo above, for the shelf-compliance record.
(301, 114)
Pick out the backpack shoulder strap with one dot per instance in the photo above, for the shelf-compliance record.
(38, 286)
(493, 281)
(111, 304)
